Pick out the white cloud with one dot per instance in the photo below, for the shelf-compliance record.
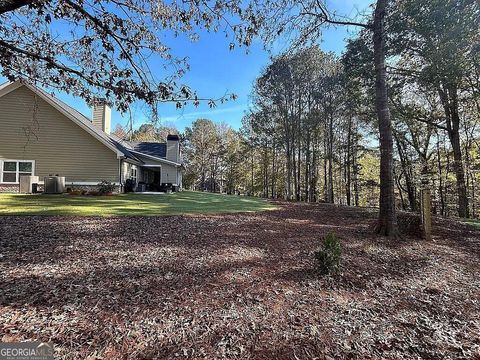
(188, 116)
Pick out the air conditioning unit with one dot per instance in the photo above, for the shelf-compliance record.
(26, 183)
(54, 184)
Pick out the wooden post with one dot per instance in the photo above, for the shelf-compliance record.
(426, 213)
(426, 204)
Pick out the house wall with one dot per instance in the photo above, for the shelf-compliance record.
(57, 144)
(126, 171)
(169, 174)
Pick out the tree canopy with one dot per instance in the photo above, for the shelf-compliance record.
(108, 48)
(312, 129)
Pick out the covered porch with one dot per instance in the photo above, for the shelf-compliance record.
(150, 179)
(151, 174)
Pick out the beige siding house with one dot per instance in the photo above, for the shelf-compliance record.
(41, 135)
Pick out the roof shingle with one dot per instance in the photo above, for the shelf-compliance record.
(150, 148)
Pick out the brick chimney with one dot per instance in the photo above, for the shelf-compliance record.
(173, 148)
(102, 115)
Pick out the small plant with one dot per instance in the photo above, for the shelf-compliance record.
(74, 191)
(105, 187)
(328, 257)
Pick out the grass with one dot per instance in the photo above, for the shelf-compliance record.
(183, 203)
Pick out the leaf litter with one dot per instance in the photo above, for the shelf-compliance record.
(238, 286)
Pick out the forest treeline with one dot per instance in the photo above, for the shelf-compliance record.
(311, 133)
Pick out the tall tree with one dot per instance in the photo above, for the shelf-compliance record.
(387, 220)
(202, 150)
(304, 22)
(438, 43)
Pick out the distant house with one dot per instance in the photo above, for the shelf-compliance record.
(41, 135)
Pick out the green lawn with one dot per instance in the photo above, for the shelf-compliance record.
(186, 202)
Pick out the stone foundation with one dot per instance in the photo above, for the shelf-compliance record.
(9, 188)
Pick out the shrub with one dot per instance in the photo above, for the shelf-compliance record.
(105, 187)
(328, 257)
(75, 191)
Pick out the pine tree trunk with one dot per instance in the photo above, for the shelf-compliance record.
(251, 169)
(469, 174)
(294, 171)
(274, 176)
(356, 192)
(448, 97)
(348, 164)
(440, 177)
(387, 220)
(330, 160)
(325, 160)
(355, 171)
(400, 192)
(307, 167)
(289, 168)
(406, 168)
(460, 175)
(299, 171)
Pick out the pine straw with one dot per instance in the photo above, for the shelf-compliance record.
(238, 286)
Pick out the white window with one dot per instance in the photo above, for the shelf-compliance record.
(11, 170)
(133, 174)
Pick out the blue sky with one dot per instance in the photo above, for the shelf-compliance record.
(216, 70)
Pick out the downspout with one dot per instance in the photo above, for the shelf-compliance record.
(120, 162)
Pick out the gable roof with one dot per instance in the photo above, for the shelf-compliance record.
(4, 85)
(150, 148)
(122, 148)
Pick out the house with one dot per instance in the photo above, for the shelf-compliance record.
(41, 135)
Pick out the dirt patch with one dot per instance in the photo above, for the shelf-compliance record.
(238, 286)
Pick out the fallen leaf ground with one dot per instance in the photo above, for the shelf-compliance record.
(238, 286)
